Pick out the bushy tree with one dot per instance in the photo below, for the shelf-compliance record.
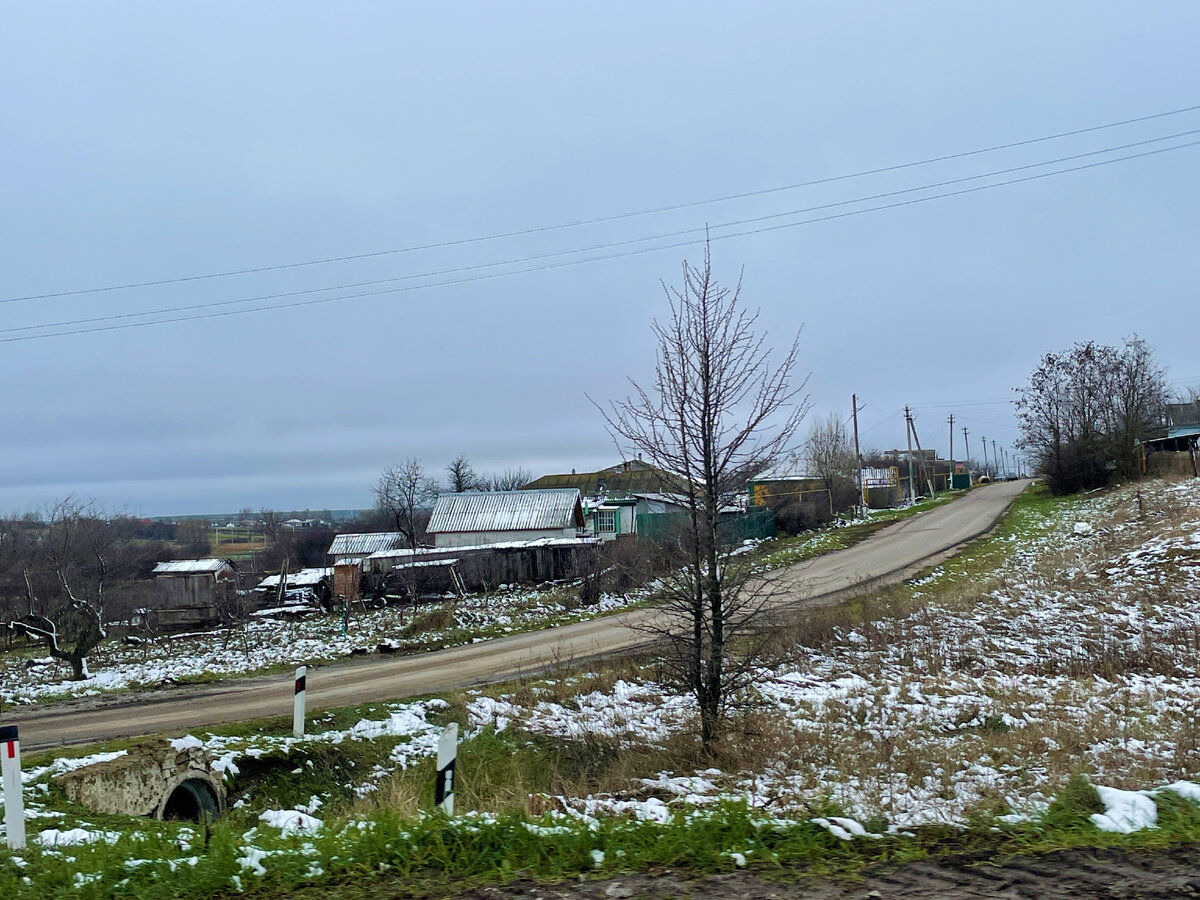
(1084, 410)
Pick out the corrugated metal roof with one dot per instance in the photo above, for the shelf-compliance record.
(364, 544)
(189, 567)
(506, 511)
(303, 578)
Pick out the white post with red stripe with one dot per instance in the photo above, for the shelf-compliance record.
(14, 800)
(298, 709)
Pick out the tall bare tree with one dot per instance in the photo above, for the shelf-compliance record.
(717, 415)
(404, 492)
(830, 456)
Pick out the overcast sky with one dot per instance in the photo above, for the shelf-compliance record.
(149, 142)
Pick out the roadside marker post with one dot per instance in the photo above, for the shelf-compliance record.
(14, 800)
(443, 788)
(298, 709)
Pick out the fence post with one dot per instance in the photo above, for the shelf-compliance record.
(443, 788)
(298, 708)
(14, 799)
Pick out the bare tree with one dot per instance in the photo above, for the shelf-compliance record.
(511, 479)
(461, 476)
(1083, 411)
(830, 457)
(1137, 402)
(404, 492)
(717, 415)
(64, 578)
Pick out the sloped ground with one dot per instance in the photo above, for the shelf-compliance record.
(1069, 642)
(1067, 875)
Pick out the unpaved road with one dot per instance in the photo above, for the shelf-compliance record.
(890, 554)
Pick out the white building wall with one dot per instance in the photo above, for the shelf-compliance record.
(472, 538)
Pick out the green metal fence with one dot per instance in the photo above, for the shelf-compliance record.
(732, 529)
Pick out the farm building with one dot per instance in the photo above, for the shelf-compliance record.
(354, 548)
(192, 582)
(473, 518)
(190, 590)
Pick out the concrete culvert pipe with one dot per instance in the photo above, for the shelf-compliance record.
(152, 778)
(194, 799)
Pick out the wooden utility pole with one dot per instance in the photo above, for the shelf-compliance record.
(950, 476)
(912, 491)
(862, 488)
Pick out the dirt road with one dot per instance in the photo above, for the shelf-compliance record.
(888, 555)
(1162, 875)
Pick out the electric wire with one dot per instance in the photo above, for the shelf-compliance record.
(595, 247)
(602, 219)
(567, 263)
(576, 262)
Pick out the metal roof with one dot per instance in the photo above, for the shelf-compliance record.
(303, 578)
(506, 511)
(364, 544)
(190, 567)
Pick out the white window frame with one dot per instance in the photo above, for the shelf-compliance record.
(606, 521)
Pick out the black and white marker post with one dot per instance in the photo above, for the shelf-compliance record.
(14, 801)
(298, 709)
(443, 788)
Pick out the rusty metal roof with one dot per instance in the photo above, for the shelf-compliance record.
(190, 567)
(364, 544)
(506, 511)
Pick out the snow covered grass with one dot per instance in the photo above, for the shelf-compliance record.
(976, 690)
(267, 644)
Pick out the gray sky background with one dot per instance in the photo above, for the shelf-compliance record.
(153, 141)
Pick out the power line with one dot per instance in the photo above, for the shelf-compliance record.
(609, 245)
(576, 262)
(601, 219)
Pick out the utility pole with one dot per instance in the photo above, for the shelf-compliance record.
(995, 458)
(983, 437)
(967, 455)
(950, 476)
(862, 489)
(912, 491)
(921, 456)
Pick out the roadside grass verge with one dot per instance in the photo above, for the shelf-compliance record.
(435, 856)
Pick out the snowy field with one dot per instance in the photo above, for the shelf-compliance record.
(268, 642)
(1079, 652)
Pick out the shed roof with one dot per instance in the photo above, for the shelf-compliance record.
(364, 544)
(303, 578)
(506, 511)
(191, 567)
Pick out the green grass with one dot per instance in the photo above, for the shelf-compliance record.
(432, 855)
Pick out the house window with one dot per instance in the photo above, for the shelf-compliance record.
(606, 521)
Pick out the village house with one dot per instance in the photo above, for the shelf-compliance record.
(475, 518)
